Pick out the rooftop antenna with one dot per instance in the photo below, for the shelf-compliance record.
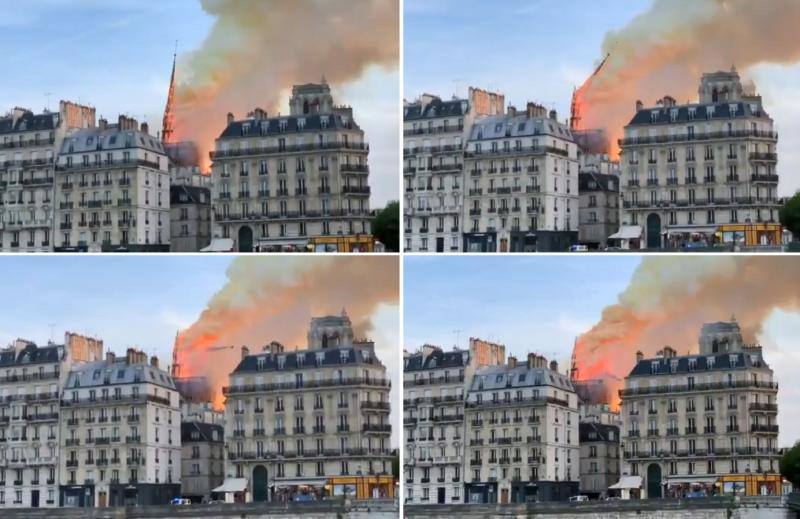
(458, 336)
(47, 97)
(52, 331)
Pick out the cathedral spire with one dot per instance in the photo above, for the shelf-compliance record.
(167, 125)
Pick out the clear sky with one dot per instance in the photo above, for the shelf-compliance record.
(541, 304)
(539, 50)
(138, 301)
(117, 56)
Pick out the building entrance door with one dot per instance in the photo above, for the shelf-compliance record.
(440, 496)
(34, 499)
(439, 244)
(245, 239)
(653, 231)
(259, 484)
(504, 496)
(102, 500)
(653, 481)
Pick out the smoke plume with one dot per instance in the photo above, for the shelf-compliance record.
(666, 49)
(667, 302)
(275, 299)
(258, 49)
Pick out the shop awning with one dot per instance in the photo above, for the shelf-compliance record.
(232, 485)
(219, 245)
(627, 482)
(627, 232)
(690, 479)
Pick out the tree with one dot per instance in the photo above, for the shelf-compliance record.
(790, 215)
(386, 226)
(790, 465)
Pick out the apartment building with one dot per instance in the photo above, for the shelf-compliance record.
(28, 151)
(112, 190)
(599, 457)
(31, 379)
(202, 459)
(294, 419)
(521, 183)
(277, 181)
(434, 393)
(434, 137)
(690, 419)
(689, 169)
(120, 434)
(190, 218)
(522, 434)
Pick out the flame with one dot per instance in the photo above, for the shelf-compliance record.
(258, 49)
(669, 299)
(274, 298)
(666, 49)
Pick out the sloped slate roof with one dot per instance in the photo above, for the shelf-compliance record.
(204, 429)
(31, 354)
(437, 359)
(503, 377)
(495, 127)
(29, 122)
(330, 357)
(722, 362)
(600, 430)
(436, 108)
(720, 111)
(272, 125)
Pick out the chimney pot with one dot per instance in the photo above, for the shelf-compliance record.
(639, 105)
(639, 356)
(245, 351)
(512, 362)
(230, 118)
(145, 128)
(154, 361)
(553, 366)
(553, 115)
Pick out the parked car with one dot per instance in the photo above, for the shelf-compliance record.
(578, 499)
(182, 501)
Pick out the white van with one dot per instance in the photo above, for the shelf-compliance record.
(577, 499)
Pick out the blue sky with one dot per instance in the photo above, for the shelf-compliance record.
(541, 304)
(117, 56)
(127, 301)
(539, 50)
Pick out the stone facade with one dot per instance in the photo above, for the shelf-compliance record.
(522, 431)
(689, 419)
(279, 180)
(112, 190)
(203, 460)
(600, 458)
(690, 168)
(599, 209)
(120, 434)
(28, 151)
(521, 183)
(295, 419)
(190, 218)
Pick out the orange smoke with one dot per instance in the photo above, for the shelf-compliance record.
(669, 299)
(268, 299)
(258, 49)
(666, 49)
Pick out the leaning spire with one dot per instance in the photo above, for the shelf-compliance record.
(167, 125)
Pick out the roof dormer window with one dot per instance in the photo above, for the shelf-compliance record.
(654, 116)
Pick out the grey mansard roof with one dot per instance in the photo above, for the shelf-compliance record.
(436, 108)
(92, 140)
(271, 125)
(721, 111)
(93, 374)
(181, 194)
(437, 359)
(29, 122)
(31, 354)
(494, 127)
(601, 432)
(205, 431)
(330, 358)
(601, 182)
(503, 377)
(722, 362)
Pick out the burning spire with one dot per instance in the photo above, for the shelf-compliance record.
(577, 98)
(167, 124)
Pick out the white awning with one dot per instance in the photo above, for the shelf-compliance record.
(627, 482)
(627, 232)
(232, 485)
(219, 245)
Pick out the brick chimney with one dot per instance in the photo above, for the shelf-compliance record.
(639, 105)
(154, 361)
(111, 357)
(554, 366)
(512, 111)
(512, 362)
(639, 356)
(245, 351)
(145, 128)
(102, 124)
(553, 115)
(230, 118)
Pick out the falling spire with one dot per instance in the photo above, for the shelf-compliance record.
(167, 125)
